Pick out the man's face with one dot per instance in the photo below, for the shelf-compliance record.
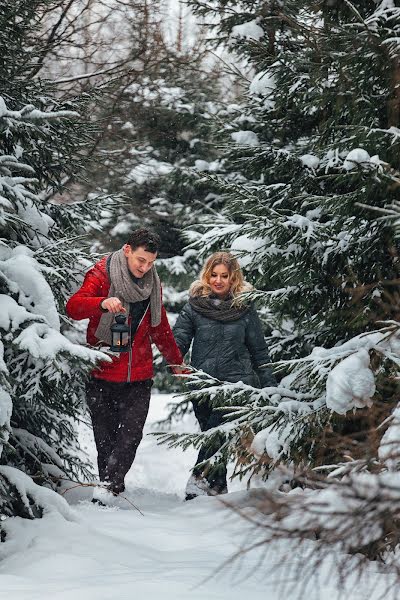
(139, 260)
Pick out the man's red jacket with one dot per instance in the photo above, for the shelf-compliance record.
(85, 304)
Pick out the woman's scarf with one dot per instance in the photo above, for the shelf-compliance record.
(123, 286)
(218, 310)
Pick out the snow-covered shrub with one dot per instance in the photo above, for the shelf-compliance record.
(41, 371)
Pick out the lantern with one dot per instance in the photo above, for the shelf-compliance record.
(119, 335)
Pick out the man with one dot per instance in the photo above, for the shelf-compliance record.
(118, 394)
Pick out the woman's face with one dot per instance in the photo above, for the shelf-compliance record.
(220, 281)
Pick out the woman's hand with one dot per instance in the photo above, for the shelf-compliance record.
(113, 305)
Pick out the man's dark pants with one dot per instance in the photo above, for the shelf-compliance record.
(118, 412)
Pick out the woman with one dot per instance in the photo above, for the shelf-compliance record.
(228, 344)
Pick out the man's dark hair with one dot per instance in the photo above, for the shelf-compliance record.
(144, 238)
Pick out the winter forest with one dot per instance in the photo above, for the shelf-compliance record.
(269, 129)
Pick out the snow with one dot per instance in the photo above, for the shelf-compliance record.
(355, 158)
(172, 297)
(310, 160)
(12, 315)
(148, 170)
(390, 443)
(275, 442)
(306, 224)
(245, 137)
(174, 551)
(160, 90)
(347, 510)
(43, 342)
(385, 10)
(176, 264)
(258, 444)
(39, 222)
(250, 30)
(351, 383)
(386, 4)
(121, 228)
(201, 165)
(23, 274)
(247, 249)
(31, 442)
(204, 165)
(30, 113)
(263, 84)
(28, 490)
(5, 416)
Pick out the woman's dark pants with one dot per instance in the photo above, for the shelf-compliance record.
(214, 474)
(118, 412)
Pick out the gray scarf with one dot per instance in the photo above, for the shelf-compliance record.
(218, 310)
(123, 287)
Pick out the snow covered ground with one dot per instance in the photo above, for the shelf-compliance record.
(174, 551)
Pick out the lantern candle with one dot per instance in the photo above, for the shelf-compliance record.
(120, 335)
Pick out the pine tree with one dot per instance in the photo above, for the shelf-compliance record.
(316, 160)
(163, 127)
(157, 122)
(41, 371)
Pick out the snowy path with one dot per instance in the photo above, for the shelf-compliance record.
(170, 552)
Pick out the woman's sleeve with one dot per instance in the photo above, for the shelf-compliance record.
(184, 329)
(258, 350)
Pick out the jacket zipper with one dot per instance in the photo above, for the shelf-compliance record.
(131, 348)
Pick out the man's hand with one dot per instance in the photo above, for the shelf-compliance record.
(181, 369)
(113, 305)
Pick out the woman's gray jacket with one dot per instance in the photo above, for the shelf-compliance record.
(230, 351)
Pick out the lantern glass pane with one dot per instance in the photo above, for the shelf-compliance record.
(120, 339)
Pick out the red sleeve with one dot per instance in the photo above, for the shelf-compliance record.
(85, 303)
(164, 339)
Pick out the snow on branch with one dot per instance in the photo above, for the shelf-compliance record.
(41, 341)
(335, 380)
(30, 113)
(34, 496)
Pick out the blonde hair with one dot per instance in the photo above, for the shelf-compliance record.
(201, 287)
